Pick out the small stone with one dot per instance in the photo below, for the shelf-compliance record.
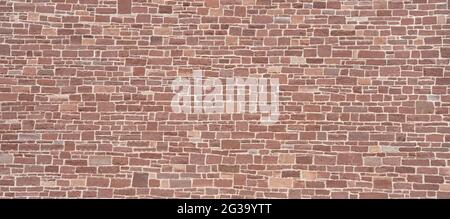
(297, 60)
(156, 40)
(124, 7)
(212, 3)
(58, 97)
(5, 50)
(389, 149)
(48, 183)
(162, 31)
(309, 175)
(106, 106)
(382, 183)
(364, 81)
(445, 52)
(282, 20)
(6, 159)
(349, 159)
(165, 9)
(111, 31)
(35, 29)
(441, 19)
(281, 182)
(274, 69)
(231, 144)
(179, 167)
(374, 149)
(49, 32)
(29, 137)
(100, 160)
(380, 4)
(77, 40)
(29, 70)
(28, 181)
(424, 107)
(33, 16)
(232, 40)
(297, 19)
(69, 107)
(432, 97)
(287, 158)
(372, 161)
(140, 180)
(78, 183)
(194, 136)
(444, 187)
(88, 41)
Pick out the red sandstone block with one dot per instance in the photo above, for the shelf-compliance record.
(135, 62)
(262, 19)
(325, 160)
(308, 136)
(8, 97)
(223, 183)
(336, 20)
(346, 80)
(342, 53)
(371, 54)
(5, 50)
(390, 71)
(140, 179)
(321, 32)
(373, 195)
(304, 159)
(358, 136)
(28, 181)
(97, 182)
(324, 51)
(165, 9)
(434, 72)
(398, 30)
(124, 6)
(429, 53)
(445, 52)
(382, 184)
(349, 159)
(342, 33)
(303, 97)
(199, 61)
(333, 4)
(212, 3)
(424, 107)
(231, 144)
(263, 2)
(336, 184)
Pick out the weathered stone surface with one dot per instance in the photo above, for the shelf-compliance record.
(6, 158)
(424, 107)
(140, 180)
(100, 160)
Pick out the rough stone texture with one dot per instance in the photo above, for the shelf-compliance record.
(85, 91)
(29, 137)
(280, 183)
(5, 50)
(100, 160)
(140, 180)
(424, 107)
(6, 158)
(124, 6)
(28, 181)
